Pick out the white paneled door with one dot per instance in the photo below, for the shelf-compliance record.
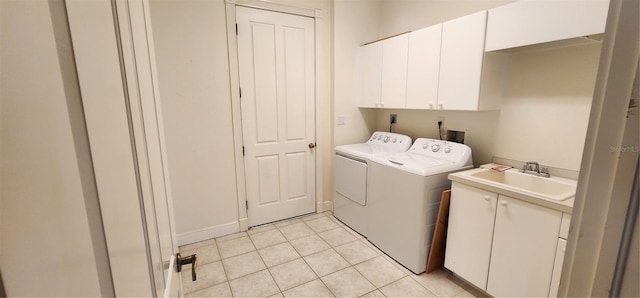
(277, 80)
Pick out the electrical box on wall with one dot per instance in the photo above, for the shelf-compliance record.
(455, 136)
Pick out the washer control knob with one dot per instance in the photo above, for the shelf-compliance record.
(424, 146)
(435, 147)
(395, 140)
(447, 150)
(386, 139)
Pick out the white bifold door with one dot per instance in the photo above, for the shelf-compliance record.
(277, 81)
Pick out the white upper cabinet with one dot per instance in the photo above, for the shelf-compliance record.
(383, 73)
(370, 75)
(423, 68)
(529, 22)
(461, 60)
(394, 71)
(439, 67)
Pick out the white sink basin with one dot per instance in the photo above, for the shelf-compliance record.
(528, 184)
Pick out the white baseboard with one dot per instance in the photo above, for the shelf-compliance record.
(324, 206)
(208, 233)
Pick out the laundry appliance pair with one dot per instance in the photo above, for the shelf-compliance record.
(389, 191)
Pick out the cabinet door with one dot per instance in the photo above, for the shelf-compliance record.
(423, 68)
(524, 249)
(370, 75)
(531, 22)
(394, 71)
(469, 233)
(461, 62)
(557, 267)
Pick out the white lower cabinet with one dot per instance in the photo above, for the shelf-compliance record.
(524, 248)
(502, 245)
(471, 219)
(557, 267)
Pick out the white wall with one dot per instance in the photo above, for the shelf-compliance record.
(406, 15)
(479, 127)
(193, 69)
(355, 23)
(46, 244)
(545, 113)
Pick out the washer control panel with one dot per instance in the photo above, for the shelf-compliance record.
(450, 151)
(389, 142)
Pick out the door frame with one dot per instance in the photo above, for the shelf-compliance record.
(116, 73)
(603, 195)
(323, 144)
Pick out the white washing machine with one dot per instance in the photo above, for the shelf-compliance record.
(404, 197)
(351, 170)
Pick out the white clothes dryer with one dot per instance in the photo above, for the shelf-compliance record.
(351, 168)
(404, 197)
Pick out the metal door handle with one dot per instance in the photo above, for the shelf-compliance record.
(187, 260)
(312, 145)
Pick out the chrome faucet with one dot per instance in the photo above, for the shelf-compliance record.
(532, 167)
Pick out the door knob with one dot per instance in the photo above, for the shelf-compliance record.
(187, 260)
(312, 145)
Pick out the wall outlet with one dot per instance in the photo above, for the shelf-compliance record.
(340, 120)
(393, 118)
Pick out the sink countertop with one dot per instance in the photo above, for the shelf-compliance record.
(465, 177)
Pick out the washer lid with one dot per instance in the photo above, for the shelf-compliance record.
(415, 163)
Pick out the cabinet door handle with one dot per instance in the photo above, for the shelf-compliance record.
(440, 106)
(487, 198)
(503, 203)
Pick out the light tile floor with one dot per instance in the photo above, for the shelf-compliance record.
(310, 256)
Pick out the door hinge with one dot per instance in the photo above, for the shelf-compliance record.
(236, 29)
(242, 150)
(240, 89)
(246, 204)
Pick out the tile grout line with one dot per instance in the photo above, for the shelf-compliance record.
(330, 247)
(378, 254)
(265, 263)
(305, 261)
(224, 270)
(350, 265)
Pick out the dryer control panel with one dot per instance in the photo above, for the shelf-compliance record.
(382, 141)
